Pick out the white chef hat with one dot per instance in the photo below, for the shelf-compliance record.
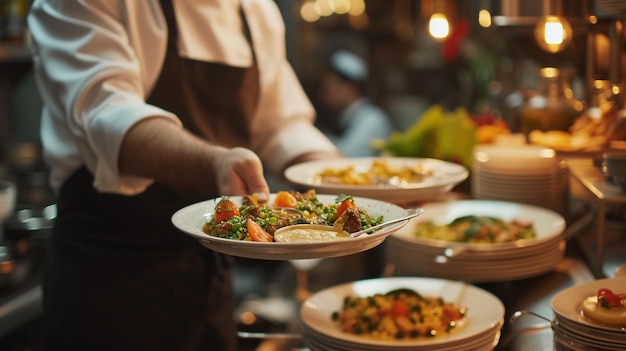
(349, 65)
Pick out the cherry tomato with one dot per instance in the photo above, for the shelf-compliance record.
(452, 313)
(613, 300)
(345, 204)
(257, 233)
(225, 210)
(285, 199)
(399, 308)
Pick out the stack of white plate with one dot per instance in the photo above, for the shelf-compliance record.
(574, 332)
(472, 262)
(527, 174)
(485, 314)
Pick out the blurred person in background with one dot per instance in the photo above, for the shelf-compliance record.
(352, 120)
(150, 106)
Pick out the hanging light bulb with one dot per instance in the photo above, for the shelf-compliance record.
(438, 26)
(484, 18)
(553, 33)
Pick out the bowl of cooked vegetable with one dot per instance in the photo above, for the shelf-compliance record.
(480, 240)
(242, 226)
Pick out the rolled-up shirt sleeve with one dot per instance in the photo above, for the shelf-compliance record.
(93, 84)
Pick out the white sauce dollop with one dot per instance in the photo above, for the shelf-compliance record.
(309, 234)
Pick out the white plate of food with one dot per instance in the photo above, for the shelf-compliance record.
(482, 317)
(568, 307)
(548, 226)
(398, 180)
(192, 219)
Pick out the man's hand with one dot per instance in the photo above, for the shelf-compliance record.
(160, 149)
(239, 172)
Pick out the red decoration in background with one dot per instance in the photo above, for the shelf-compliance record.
(452, 45)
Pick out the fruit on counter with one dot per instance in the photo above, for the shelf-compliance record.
(606, 308)
(445, 135)
(439, 134)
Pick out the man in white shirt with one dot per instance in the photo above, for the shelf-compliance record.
(150, 106)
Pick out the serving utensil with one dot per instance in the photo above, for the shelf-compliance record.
(288, 210)
(413, 212)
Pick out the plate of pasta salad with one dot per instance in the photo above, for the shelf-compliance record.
(403, 313)
(398, 180)
(241, 226)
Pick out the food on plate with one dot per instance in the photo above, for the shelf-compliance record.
(310, 233)
(561, 140)
(379, 173)
(399, 314)
(606, 308)
(255, 221)
(592, 130)
(439, 133)
(477, 229)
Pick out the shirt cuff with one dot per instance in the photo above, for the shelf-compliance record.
(107, 177)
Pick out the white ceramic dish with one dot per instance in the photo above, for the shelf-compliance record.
(526, 159)
(485, 342)
(547, 223)
(190, 220)
(567, 305)
(589, 339)
(484, 312)
(489, 271)
(445, 176)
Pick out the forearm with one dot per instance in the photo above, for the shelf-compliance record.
(159, 149)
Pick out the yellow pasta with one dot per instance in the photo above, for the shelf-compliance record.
(380, 172)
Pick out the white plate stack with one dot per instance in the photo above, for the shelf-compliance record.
(483, 342)
(574, 332)
(527, 174)
(473, 262)
(481, 332)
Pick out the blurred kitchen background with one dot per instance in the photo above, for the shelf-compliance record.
(482, 56)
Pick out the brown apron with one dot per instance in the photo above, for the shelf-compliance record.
(118, 275)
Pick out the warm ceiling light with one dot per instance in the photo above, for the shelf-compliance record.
(357, 7)
(553, 33)
(324, 7)
(438, 26)
(484, 18)
(308, 12)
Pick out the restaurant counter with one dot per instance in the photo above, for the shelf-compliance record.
(275, 325)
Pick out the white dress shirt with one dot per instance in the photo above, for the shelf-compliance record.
(97, 69)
